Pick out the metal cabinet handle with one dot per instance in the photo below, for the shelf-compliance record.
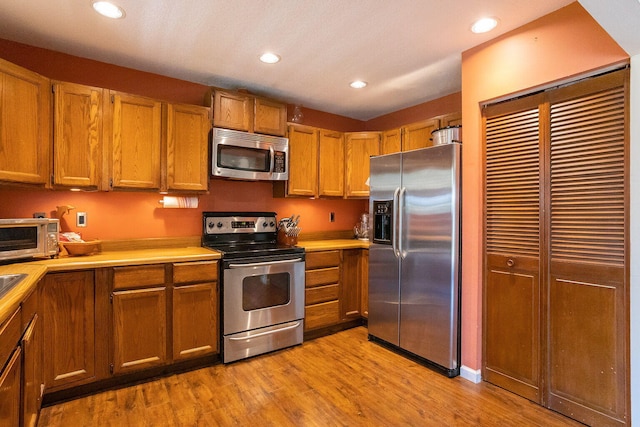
(511, 262)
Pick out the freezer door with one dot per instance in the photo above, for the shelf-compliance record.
(384, 267)
(430, 253)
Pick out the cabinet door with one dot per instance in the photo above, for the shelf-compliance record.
(391, 141)
(10, 390)
(331, 164)
(135, 142)
(359, 147)
(232, 110)
(364, 284)
(77, 137)
(25, 120)
(350, 284)
(270, 117)
(453, 119)
(32, 377)
(69, 338)
(303, 161)
(418, 135)
(195, 325)
(139, 329)
(187, 142)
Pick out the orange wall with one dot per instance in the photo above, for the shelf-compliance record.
(122, 215)
(566, 43)
(447, 104)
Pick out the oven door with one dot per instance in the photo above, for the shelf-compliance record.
(261, 292)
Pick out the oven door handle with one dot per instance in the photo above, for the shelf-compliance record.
(266, 263)
(261, 334)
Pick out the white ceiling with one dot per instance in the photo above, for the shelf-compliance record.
(409, 51)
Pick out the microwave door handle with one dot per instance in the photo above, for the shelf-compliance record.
(272, 155)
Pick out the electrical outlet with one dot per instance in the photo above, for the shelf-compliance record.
(81, 219)
(332, 217)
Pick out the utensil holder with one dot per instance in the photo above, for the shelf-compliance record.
(285, 240)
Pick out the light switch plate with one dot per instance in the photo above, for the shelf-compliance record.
(81, 219)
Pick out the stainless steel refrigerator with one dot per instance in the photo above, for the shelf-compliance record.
(414, 257)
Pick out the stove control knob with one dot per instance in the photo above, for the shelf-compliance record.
(219, 225)
(264, 224)
(272, 224)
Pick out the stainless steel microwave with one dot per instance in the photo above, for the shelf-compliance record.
(249, 156)
(28, 238)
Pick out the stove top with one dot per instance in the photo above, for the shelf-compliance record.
(243, 234)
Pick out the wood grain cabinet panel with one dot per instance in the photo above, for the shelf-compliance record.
(232, 110)
(26, 125)
(136, 139)
(350, 284)
(10, 390)
(391, 141)
(270, 117)
(77, 136)
(322, 259)
(322, 282)
(418, 135)
(187, 161)
(303, 161)
(139, 329)
(69, 329)
(359, 147)
(195, 325)
(138, 276)
(32, 379)
(330, 164)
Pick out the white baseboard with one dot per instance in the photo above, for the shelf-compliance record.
(471, 374)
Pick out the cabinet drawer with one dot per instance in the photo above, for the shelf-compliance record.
(322, 259)
(318, 315)
(138, 276)
(322, 276)
(200, 271)
(10, 332)
(321, 294)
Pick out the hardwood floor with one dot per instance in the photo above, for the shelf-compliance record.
(338, 380)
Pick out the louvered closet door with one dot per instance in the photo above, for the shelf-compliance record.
(511, 324)
(587, 326)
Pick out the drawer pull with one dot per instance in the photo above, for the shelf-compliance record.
(511, 262)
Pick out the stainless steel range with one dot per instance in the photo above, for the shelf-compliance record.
(262, 283)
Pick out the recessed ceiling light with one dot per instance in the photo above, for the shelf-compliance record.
(358, 84)
(484, 25)
(108, 9)
(269, 58)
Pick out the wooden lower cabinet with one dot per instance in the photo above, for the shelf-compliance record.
(334, 283)
(32, 358)
(195, 309)
(10, 390)
(139, 329)
(69, 329)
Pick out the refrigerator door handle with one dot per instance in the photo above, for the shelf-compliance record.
(394, 218)
(401, 205)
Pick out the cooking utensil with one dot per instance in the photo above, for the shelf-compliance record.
(447, 135)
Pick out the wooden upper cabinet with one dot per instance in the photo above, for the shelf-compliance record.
(391, 141)
(25, 123)
(331, 164)
(303, 161)
(187, 130)
(232, 110)
(270, 117)
(359, 147)
(453, 119)
(77, 137)
(136, 138)
(246, 112)
(418, 135)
